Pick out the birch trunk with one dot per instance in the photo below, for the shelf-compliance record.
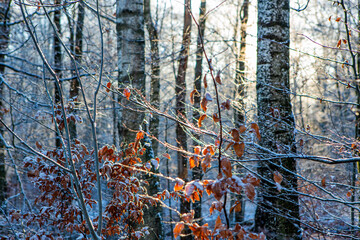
(131, 62)
(277, 214)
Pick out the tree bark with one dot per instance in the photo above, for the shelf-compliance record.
(197, 171)
(356, 166)
(77, 49)
(277, 214)
(4, 42)
(131, 62)
(239, 111)
(57, 62)
(152, 215)
(180, 92)
(240, 65)
(155, 71)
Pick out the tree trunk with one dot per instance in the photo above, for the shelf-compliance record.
(4, 42)
(277, 214)
(239, 113)
(152, 215)
(77, 50)
(155, 71)
(131, 62)
(57, 62)
(356, 166)
(240, 65)
(180, 91)
(197, 171)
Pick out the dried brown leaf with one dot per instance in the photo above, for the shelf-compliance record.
(239, 149)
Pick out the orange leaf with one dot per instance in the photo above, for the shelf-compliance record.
(189, 189)
(197, 150)
(192, 95)
(202, 117)
(235, 134)
(218, 223)
(240, 235)
(301, 142)
(323, 182)
(229, 145)
(344, 41)
(338, 44)
(330, 18)
(205, 82)
(236, 207)
(108, 85)
(215, 117)
(38, 145)
(349, 194)
(239, 149)
(225, 105)
(217, 78)
(338, 19)
(192, 162)
(177, 229)
(255, 127)
(253, 236)
(250, 191)
(179, 184)
(206, 162)
(242, 128)
(167, 155)
(216, 206)
(203, 104)
(278, 177)
(188, 217)
(217, 189)
(217, 142)
(127, 93)
(208, 149)
(226, 167)
(140, 135)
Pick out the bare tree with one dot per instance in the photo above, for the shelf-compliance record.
(57, 60)
(77, 49)
(4, 42)
(151, 26)
(180, 91)
(278, 211)
(240, 56)
(197, 171)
